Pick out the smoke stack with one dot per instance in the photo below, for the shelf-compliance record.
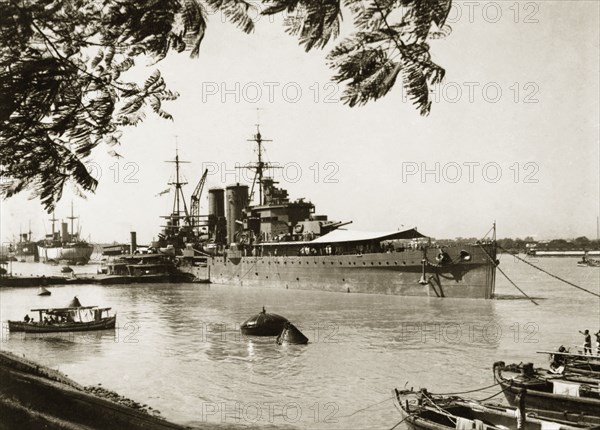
(65, 232)
(133, 242)
(216, 214)
(237, 200)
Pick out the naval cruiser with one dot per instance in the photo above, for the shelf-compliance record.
(270, 240)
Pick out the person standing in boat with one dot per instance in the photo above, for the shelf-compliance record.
(598, 343)
(587, 344)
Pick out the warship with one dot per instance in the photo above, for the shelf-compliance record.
(269, 240)
(64, 246)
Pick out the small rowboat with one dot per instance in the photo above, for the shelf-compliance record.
(424, 411)
(43, 292)
(567, 393)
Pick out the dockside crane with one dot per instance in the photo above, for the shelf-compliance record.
(195, 201)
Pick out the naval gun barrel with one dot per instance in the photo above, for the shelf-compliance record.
(338, 225)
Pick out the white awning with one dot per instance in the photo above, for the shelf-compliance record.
(339, 235)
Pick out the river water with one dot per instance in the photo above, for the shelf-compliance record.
(177, 348)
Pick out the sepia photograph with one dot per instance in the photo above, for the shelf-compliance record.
(300, 214)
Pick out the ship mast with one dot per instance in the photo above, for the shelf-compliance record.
(259, 167)
(179, 197)
(53, 219)
(72, 218)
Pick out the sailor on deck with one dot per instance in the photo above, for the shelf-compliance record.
(587, 345)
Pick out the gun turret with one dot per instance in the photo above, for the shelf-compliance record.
(335, 225)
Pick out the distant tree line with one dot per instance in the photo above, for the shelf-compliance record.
(522, 245)
(518, 244)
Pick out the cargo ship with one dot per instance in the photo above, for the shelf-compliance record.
(64, 246)
(277, 242)
(25, 249)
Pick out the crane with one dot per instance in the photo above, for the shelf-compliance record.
(195, 201)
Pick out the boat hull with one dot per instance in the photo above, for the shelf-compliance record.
(103, 324)
(395, 273)
(78, 253)
(441, 413)
(542, 401)
(539, 399)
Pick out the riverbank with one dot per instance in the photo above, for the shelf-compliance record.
(34, 396)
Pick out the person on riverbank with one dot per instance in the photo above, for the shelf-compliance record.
(587, 344)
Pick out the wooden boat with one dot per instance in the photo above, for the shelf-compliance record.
(424, 411)
(77, 318)
(575, 362)
(569, 394)
(588, 262)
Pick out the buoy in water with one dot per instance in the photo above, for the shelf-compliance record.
(291, 335)
(263, 324)
(43, 292)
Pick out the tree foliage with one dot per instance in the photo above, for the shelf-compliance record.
(390, 42)
(63, 69)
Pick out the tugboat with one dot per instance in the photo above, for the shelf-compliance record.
(64, 246)
(142, 268)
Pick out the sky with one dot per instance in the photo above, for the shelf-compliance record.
(513, 135)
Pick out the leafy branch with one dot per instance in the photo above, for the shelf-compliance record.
(63, 64)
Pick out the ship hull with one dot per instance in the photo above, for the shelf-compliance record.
(27, 252)
(66, 253)
(103, 324)
(395, 273)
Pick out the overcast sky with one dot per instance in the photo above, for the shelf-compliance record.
(512, 137)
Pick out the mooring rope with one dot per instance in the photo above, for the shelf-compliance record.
(491, 397)
(401, 421)
(506, 276)
(467, 392)
(548, 273)
(366, 407)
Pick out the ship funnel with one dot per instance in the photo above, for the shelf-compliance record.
(237, 199)
(216, 214)
(133, 242)
(64, 228)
